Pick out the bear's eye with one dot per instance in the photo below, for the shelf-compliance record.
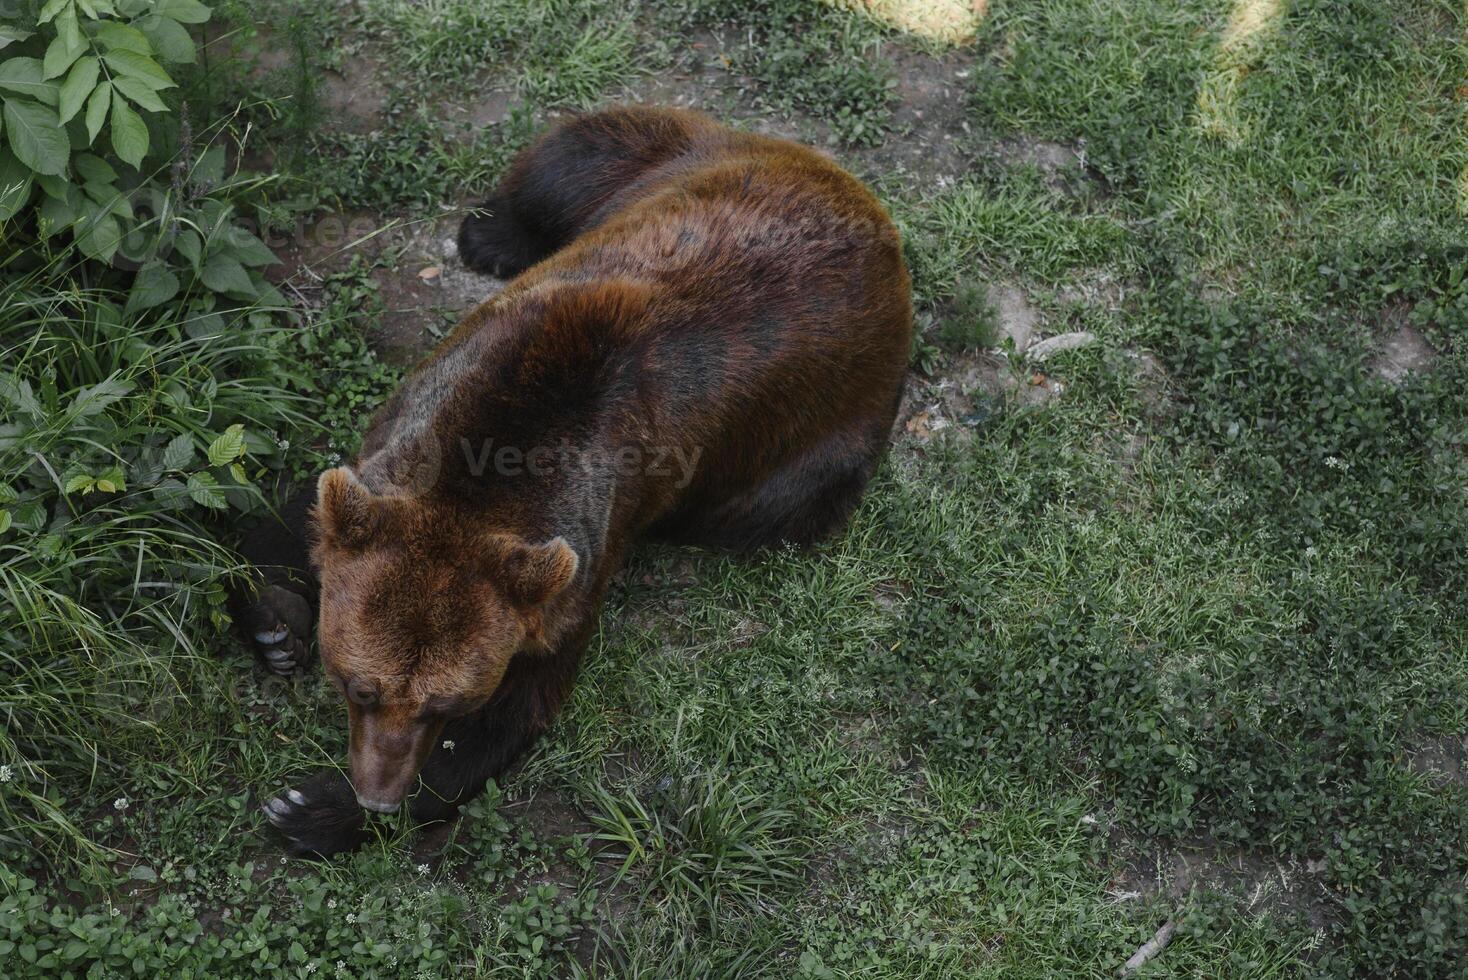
(361, 692)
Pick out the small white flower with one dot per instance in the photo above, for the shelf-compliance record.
(423, 869)
(311, 967)
(351, 918)
(1310, 552)
(114, 910)
(331, 903)
(341, 966)
(1336, 463)
(5, 774)
(120, 804)
(448, 743)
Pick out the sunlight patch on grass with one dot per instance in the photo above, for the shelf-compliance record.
(947, 21)
(1250, 24)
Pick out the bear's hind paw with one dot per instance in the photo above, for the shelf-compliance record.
(279, 623)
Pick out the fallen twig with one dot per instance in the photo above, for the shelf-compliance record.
(1149, 949)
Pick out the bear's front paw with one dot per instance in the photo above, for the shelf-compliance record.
(279, 624)
(320, 818)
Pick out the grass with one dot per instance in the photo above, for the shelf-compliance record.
(1204, 604)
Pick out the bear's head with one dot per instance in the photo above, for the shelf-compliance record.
(420, 615)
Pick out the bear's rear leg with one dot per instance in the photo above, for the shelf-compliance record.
(802, 503)
(495, 241)
(558, 186)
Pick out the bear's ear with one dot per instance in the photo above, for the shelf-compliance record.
(347, 514)
(533, 574)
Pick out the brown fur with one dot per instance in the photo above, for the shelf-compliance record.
(694, 292)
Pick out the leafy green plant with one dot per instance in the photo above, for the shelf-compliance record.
(72, 70)
(349, 379)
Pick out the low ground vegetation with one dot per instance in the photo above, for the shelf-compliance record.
(1166, 626)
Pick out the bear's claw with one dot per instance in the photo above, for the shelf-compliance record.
(321, 820)
(279, 621)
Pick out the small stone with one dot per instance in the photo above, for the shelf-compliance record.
(1017, 318)
(1064, 342)
(1402, 353)
(430, 273)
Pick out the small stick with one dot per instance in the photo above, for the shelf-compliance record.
(1150, 948)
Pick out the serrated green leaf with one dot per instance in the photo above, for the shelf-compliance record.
(112, 480)
(31, 515)
(68, 28)
(17, 392)
(95, 399)
(208, 170)
(89, 166)
(224, 274)
(179, 452)
(81, 482)
(129, 133)
(97, 104)
(15, 184)
(59, 56)
(191, 246)
(36, 136)
(238, 472)
(204, 489)
(78, 85)
(101, 192)
(5, 521)
(55, 216)
(247, 248)
(8, 494)
(122, 37)
(169, 39)
(24, 75)
(154, 284)
(10, 35)
(205, 326)
(51, 9)
(228, 447)
(183, 11)
(98, 237)
(141, 67)
(57, 186)
(143, 95)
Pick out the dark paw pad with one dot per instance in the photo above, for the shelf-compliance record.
(318, 820)
(279, 624)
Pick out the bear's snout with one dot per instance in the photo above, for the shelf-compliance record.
(386, 755)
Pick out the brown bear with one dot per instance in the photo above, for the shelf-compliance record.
(704, 341)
